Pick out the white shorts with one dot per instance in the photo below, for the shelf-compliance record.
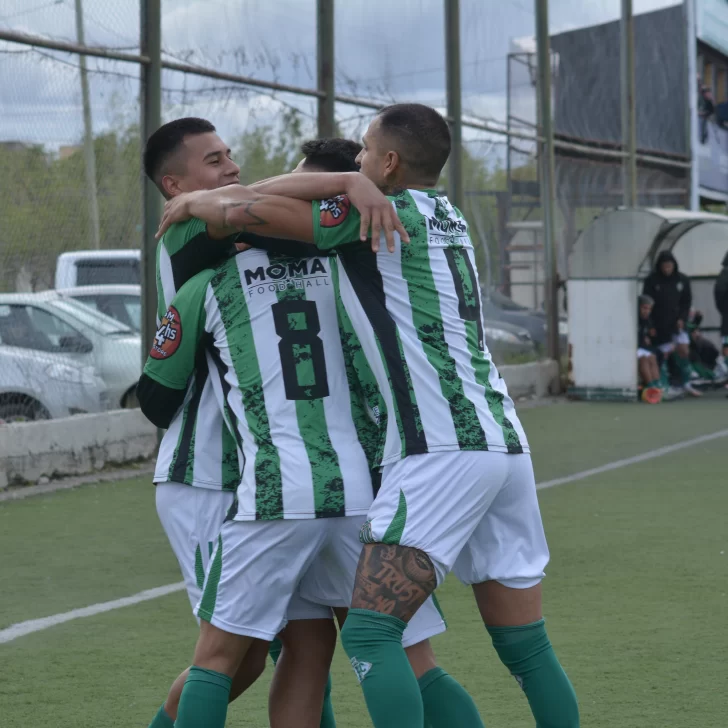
(641, 353)
(191, 518)
(263, 573)
(681, 337)
(475, 513)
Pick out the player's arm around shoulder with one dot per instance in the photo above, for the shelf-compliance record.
(171, 361)
(239, 209)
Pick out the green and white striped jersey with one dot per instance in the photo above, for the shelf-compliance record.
(416, 313)
(209, 461)
(270, 330)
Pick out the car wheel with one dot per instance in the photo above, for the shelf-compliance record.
(23, 410)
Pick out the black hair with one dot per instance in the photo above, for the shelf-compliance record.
(421, 138)
(331, 155)
(166, 141)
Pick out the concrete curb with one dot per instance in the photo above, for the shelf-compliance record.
(33, 451)
(536, 379)
(84, 445)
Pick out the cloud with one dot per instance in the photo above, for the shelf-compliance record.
(388, 50)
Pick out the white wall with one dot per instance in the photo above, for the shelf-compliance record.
(603, 334)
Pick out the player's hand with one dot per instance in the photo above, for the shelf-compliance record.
(175, 210)
(376, 211)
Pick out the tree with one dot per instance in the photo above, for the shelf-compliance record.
(270, 149)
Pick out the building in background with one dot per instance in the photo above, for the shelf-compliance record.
(681, 101)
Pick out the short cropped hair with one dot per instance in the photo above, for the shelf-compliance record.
(166, 142)
(420, 136)
(331, 155)
(645, 300)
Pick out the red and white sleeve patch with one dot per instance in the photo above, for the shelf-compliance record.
(334, 211)
(168, 336)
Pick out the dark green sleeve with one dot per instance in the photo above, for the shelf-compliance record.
(335, 222)
(184, 251)
(171, 360)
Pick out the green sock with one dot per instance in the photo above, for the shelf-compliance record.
(373, 642)
(526, 651)
(204, 700)
(654, 383)
(274, 650)
(327, 714)
(683, 366)
(162, 720)
(665, 375)
(447, 704)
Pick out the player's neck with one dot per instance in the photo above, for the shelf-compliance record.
(401, 186)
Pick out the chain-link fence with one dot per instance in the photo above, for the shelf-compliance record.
(71, 136)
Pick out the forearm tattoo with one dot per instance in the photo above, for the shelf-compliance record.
(393, 580)
(249, 219)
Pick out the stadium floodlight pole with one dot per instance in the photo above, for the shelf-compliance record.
(150, 42)
(454, 102)
(543, 51)
(325, 56)
(89, 155)
(628, 102)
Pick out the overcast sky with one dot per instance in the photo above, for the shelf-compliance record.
(390, 49)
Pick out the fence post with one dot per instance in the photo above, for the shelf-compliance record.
(629, 119)
(151, 113)
(543, 51)
(89, 154)
(454, 102)
(325, 67)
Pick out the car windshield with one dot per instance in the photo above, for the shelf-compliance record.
(87, 316)
(105, 271)
(127, 309)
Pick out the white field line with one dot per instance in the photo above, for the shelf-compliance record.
(36, 625)
(649, 455)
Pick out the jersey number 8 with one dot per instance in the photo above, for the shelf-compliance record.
(301, 349)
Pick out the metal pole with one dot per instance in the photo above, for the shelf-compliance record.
(547, 177)
(629, 119)
(691, 107)
(151, 117)
(89, 155)
(325, 68)
(454, 101)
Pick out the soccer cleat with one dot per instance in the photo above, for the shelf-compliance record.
(690, 389)
(652, 395)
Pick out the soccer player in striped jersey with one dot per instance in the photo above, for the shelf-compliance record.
(197, 469)
(458, 491)
(192, 517)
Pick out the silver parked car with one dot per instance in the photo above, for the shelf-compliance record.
(51, 323)
(120, 302)
(36, 385)
(506, 342)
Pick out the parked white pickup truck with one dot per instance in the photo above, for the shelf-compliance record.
(98, 268)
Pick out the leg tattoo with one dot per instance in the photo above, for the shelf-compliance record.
(393, 580)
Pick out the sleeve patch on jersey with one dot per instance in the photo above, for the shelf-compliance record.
(334, 211)
(168, 336)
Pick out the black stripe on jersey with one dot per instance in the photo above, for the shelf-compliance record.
(360, 264)
(221, 369)
(186, 443)
(466, 311)
(199, 253)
